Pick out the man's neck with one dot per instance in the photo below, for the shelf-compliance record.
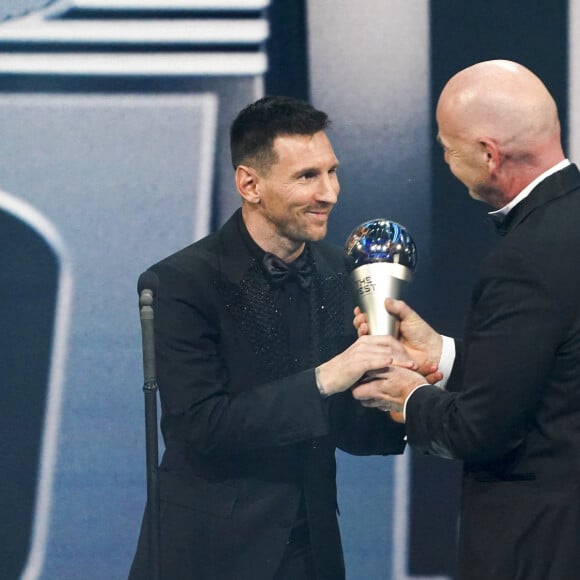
(265, 236)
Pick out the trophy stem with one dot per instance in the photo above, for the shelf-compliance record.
(373, 284)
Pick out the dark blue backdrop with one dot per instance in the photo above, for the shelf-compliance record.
(107, 172)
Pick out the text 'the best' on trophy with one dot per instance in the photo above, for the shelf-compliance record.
(382, 257)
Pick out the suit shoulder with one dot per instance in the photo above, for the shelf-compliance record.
(191, 258)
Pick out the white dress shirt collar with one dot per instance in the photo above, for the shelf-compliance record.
(499, 214)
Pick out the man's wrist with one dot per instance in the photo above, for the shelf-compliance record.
(319, 384)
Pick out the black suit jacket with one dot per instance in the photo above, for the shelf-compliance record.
(247, 433)
(515, 418)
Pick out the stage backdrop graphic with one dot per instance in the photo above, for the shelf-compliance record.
(125, 180)
(106, 170)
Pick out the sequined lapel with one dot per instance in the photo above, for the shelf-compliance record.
(327, 307)
(250, 301)
(251, 305)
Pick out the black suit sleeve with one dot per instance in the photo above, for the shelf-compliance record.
(199, 406)
(515, 326)
(364, 431)
(454, 383)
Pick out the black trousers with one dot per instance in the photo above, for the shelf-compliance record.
(297, 563)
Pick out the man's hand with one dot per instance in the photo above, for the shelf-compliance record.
(389, 389)
(367, 354)
(420, 341)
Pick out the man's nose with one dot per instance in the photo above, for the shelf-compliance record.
(329, 190)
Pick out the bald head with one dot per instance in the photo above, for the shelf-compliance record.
(505, 104)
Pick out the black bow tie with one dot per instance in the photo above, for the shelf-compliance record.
(279, 271)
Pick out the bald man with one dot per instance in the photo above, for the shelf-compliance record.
(510, 405)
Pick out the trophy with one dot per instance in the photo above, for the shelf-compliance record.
(381, 255)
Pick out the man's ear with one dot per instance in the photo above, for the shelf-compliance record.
(492, 154)
(247, 183)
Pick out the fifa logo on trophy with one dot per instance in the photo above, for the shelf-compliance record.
(382, 257)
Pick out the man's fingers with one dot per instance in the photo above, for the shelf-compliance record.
(360, 322)
(398, 416)
(433, 378)
(376, 398)
(397, 307)
(362, 329)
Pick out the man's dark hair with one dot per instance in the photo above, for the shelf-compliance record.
(253, 131)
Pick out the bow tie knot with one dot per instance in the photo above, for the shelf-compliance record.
(280, 272)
